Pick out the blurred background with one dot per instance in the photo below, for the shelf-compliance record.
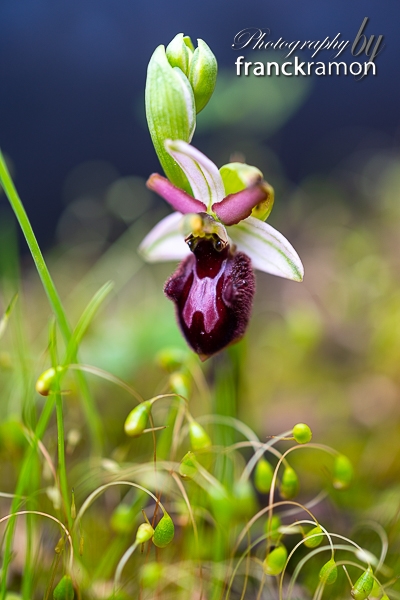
(73, 128)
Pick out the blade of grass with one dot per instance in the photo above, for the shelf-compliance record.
(6, 316)
(92, 417)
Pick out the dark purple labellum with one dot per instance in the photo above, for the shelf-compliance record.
(213, 291)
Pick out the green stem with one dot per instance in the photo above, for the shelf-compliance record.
(93, 420)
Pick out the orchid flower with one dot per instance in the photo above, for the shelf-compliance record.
(219, 243)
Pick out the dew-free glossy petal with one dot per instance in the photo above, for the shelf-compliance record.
(165, 241)
(177, 198)
(236, 207)
(268, 249)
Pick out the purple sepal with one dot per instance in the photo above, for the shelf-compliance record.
(177, 198)
(213, 293)
(236, 207)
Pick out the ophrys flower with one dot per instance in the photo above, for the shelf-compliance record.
(219, 242)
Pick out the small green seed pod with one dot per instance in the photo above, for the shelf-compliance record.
(244, 504)
(221, 505)
(202, 74)
(342, 472)
(144, 533)
(313, 542)
(151, 574)
(302, 433)
(187, 467)
(179, 54)
(385, 597)
(376, 590)
(171, 359)
(164, 532)
(272, 528)
(121, 519)
(363, 586)
(64, 589)
(289, 484)
(263, 475)
(136, 421)
(46, 381)
(275, 561)
(180, 384)
(199, 439)
(328, 573)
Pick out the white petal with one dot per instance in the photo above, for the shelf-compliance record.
(165, 241)
(203, 175)
(268, 249)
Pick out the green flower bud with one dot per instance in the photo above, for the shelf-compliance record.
(328, 573)
(363, 586)
(187, 467)
(122, 520)
(179, 54)
(150, 574)
(289, 484)
(263, 475)
(64, 589)
(46, 381)
(272, 528)
(203, 74)
(302, 433)
(164, 532)
(144, 533)
(180, 384)
(313, 542)
(275, 561)
(170, 111)
(342, 472)
(171, 359)
(199, 439)
(136, 421)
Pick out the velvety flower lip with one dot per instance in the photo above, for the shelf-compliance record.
(268, 249)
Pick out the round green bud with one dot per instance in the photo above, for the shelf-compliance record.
(272, 528)
(202, 74)
(263, 475)
(144, 533)
(302, 433)
(164, 532)
(342, 472)
(121, 519)
(171, 359)
(46, 381)
(64, 589)
(199, 439)
(180, 384)
(328, 573)
(289, 484)
(187, 467)
(150, 574)
(136, 421)
(313, 542)
(363, 586)
(179, 54)
(275, 561)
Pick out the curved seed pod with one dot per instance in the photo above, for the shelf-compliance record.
(136, 421)
(302, 433)
(289, 484)
(164, 532)
(328, 573)
(64, 589)
(187, 467)
(263, 475)
(144, 533)
(342, 472)
(272, 528)
(46, 380)
(199, 439)
(313, 542)
(275, 561)
(363, 586)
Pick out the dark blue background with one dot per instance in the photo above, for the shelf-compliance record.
(72, 77)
